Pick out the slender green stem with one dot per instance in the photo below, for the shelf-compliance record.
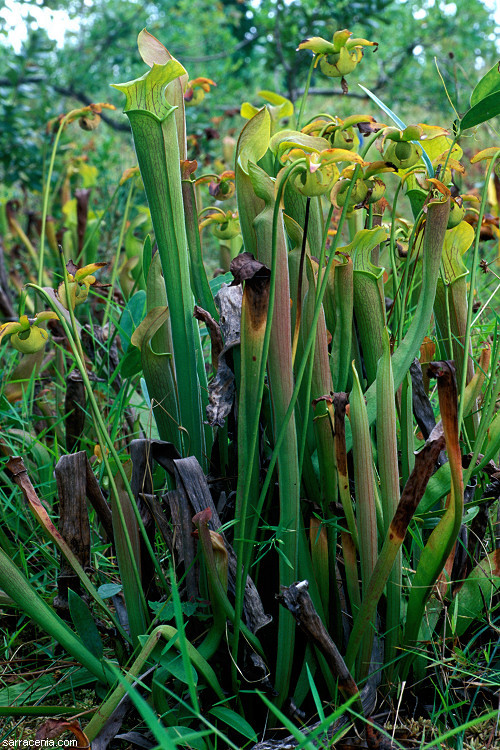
(488, 413)
(407, 274)
(455, 139)
(242, 555)
(392, 254)
(46, 194)
(168, 633)
(369, 142)
(182, 641)
(307, 399)
(300, 282)
(483, 308)
(470, 304)
(369, 218)
(306, 90)
(323, 244)
(448, 318)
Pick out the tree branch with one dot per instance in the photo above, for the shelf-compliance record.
(331, 92)
(220, 55)
(80, 96)
(84, 99)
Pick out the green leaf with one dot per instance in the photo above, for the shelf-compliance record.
(174, 664)
(286, 106)
(360, 249)
(437, 219)
(369, 304)
(248, 110)
(484, 110)
(158, 148)
(488, 84)
(164, 611)
(217, 282)
(107, 590)
(84, 624)
(132, 317)
(148, 327)
(131, 363)
(315, 694)
(159, 374)
(477, 591)
(366, 494)
(234, 720)
(438, 145)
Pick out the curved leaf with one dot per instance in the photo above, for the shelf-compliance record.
(484, 110)
(234, 720)
(488, 84)
(286, 106)
(248, 110)
(84, 624)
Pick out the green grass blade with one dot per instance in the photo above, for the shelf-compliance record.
(128, 552)
(410, 498)
(15, 585)
(400, 124)
(16, 467)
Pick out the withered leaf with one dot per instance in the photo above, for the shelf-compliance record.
(246, 268)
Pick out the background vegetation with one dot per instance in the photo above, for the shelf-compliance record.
(242, 46)
(402, 564)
